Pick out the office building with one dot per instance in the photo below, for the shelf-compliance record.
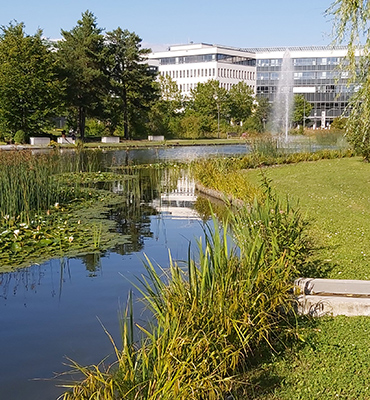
(316, 73)
(191, 64)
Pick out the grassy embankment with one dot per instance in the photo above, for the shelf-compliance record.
(334, 360)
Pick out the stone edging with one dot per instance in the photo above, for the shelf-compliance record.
(229, 200)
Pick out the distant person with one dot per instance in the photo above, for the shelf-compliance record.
(73, 137)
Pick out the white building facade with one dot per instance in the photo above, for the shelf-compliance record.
(191, 64)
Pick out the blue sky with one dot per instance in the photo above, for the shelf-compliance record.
(248, 23)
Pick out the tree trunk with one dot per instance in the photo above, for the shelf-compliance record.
(81, 122)
(125, 114)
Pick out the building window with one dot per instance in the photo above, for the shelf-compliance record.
(205, 72)
(214, 71)
(180, 74)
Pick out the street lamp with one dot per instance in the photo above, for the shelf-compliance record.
(218, 115)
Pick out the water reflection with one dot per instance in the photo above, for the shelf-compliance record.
(50, 311)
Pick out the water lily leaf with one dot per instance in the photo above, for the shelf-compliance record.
(45, 242)
(15, 247)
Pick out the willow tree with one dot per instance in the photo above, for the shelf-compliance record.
(351, 27)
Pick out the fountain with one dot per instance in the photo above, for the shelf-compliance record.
(283, 104)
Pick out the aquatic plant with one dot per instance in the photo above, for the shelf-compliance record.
(213, 317)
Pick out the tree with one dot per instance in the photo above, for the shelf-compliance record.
(81, 59)
(260, 115)
(240, 98)
(166, 112)
(210, 102)
(29, 89)
(301, 110)
(351, 26)
(132, 82)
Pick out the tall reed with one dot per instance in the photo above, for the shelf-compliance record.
(29, 183)
(214, 316)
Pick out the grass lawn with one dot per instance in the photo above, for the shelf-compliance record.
(334, 360)
(335, 196)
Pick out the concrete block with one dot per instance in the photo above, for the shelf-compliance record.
(152, 138)
(110, 139)
(318, 306)
(39, 141)
(66, 140)
(318, 297)
(327, 287)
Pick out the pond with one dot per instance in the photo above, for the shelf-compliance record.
(59, 310)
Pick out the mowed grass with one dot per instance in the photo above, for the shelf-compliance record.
(335, 196)
(332, 363)
(334, 360)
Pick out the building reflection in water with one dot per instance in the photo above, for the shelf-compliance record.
(179, 202)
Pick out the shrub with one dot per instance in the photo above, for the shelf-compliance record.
(19, 137)
(214, 316)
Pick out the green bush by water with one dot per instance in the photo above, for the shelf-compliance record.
(213, 317)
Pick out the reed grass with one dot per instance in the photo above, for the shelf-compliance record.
(29, 183)
(214, 316)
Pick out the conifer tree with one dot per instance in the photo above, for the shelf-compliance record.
(131, 81)
(81, 59)
(29, 89)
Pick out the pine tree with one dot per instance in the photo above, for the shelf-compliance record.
(81, 59)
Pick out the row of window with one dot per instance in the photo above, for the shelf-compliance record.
(190, 73)
(338, 89)
(277, 62)
(274, 76)
(210, 72)
(189, 86)
(207, 58)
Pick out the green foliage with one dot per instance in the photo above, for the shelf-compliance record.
(165, 114)
(351, 27)
(29, 88)
(195, 125)
(131, 82)
(339, 123)
(95, 127)
(301, 110)
(240, 99)
(258, 120)
(19, 137)
(80, 57)
(213, 317)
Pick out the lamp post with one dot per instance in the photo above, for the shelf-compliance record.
(218, 115)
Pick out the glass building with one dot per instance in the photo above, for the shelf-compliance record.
(317, 73)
